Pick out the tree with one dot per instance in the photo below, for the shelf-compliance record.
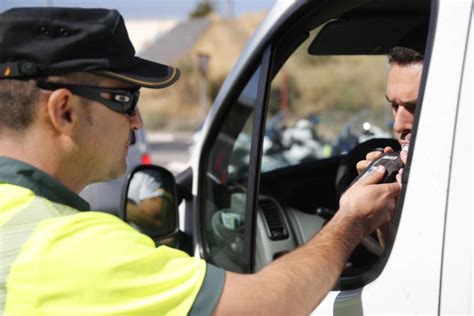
(203, 8)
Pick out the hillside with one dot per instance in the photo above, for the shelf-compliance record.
(223, 40)
(177, 107)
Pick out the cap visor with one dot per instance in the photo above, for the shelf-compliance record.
(144, 73)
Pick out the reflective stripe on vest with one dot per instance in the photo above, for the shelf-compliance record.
(66, 262)
(20, 213)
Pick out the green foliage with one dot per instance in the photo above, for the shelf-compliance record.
(334, 87)
(203, 8)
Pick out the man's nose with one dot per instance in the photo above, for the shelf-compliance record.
(403, 120)
(136, 121)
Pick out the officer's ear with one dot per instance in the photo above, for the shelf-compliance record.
(62, 111)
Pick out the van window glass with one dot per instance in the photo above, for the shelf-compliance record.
(226, 181)
(322, 106)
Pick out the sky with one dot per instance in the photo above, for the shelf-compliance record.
(145, 9)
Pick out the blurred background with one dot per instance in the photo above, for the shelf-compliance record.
(188, 34)
(204, 39)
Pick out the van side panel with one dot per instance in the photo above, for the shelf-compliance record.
(411, 280)
(457, 276)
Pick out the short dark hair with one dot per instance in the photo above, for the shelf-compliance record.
(404, 56)
(19, 98)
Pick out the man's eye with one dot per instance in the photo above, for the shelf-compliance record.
(410, 108)
(394, 107)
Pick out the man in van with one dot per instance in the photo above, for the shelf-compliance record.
(69, 87)
(403, 84)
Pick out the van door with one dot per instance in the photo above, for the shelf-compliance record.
(456, 283)
(228, 182)
(414, 278)
(237, 208)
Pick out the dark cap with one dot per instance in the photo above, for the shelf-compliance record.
(37, 42)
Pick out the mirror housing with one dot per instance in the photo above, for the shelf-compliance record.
(149, 202)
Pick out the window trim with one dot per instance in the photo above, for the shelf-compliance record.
(253, 180)
(262, 62)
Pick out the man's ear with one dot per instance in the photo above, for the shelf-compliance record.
(62, 111)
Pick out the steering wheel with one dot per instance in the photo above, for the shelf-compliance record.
(347, 172)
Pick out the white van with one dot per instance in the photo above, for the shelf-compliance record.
(248, 201)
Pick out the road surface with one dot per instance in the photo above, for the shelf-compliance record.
(169, 150)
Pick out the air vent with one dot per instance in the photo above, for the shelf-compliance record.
(276, 227)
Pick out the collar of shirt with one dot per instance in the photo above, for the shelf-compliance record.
(25, 175)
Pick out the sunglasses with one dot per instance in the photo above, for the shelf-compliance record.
(121, 100)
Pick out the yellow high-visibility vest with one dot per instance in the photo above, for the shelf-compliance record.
(57, 260)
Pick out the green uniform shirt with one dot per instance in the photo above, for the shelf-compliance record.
(56, 259)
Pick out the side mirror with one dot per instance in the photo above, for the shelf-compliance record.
(149, 202)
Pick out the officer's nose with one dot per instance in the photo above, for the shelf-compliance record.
(136, 121)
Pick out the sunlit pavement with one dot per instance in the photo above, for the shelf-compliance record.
(170, 150)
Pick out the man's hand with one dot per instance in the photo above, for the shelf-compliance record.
(403, 157)
(372, 204)
(373, 155)
(304, 276)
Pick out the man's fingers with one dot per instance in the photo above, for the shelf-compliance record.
(393, 209)
(388, 149)
(392, 189)
(399, 177)
(372, 176)
(362, 165)
(373, 155)
(376, 175)
(403, 156)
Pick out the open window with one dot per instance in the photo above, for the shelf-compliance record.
(324, 107)
(327, 109)
(229, 185)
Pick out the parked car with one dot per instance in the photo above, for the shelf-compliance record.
(242, 218)
(105, 196)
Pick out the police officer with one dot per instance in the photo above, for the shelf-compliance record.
(69, 86)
